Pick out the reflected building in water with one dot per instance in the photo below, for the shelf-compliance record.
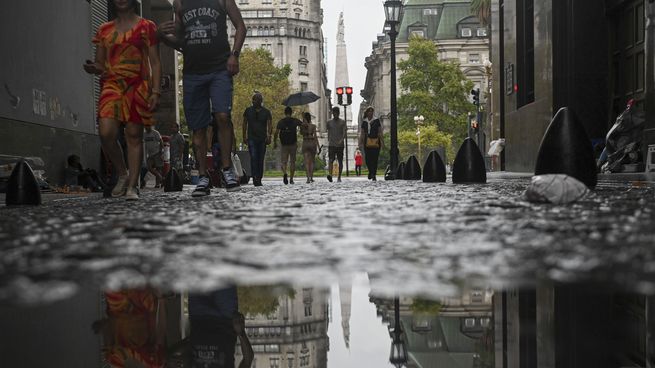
(294, 334)
(573, 326)
(451, 332)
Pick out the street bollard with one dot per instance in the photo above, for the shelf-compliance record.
(412, 169)
(566, 149)
(400, 171)
(469, 167)
(434, 170)
(22, 188)
(172, 182)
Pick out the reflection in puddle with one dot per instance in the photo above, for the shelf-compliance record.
(342, 326)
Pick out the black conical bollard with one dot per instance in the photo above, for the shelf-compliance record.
(469, 164)
(412, 169)
(22, 188)
(400, 171)
(566, 149)
(387, 173)
(172, 182)
(434, 170)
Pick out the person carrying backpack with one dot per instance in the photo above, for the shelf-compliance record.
(372, 139)
(287, 130)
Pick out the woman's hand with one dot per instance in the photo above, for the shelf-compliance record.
(93, 68)
(153, 102)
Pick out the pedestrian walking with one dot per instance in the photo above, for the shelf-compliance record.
(127, 59)
(177, 144)
(200, 32)
(257, 134)
(154, 154)
(358, 162)
(371, 137)
(336, 129)
(309, 145)
(287, 130)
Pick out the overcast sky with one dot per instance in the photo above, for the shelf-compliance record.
(364, 19)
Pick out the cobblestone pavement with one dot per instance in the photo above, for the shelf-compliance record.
(407, 235)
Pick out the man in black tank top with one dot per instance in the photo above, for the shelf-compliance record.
(199, 30)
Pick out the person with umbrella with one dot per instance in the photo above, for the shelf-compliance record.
(309, 145)
(287, 130)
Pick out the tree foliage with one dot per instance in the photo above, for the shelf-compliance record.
(259, 73)
(431, 139)
(261, 300)
(436, 89)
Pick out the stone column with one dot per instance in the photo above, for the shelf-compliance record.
(649, 133)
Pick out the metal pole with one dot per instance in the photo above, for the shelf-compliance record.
(394, 114)
(345, 118)
(396, 308)
(419, 143)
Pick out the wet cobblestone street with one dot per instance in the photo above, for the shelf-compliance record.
(406, 235)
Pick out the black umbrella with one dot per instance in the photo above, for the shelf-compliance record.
(300, 98)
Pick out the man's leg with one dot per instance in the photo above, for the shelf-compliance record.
(225, 138)
(284, 158)
(331, 157)
(292, 164)
(340, 159)
(200, 145)
(262, 156)
(252, 149)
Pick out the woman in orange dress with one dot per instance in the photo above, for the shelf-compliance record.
(127, 58)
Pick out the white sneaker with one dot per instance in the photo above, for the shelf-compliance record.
(132, 194)
(120, 188)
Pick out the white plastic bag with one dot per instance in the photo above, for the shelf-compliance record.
(555, 188)
(236, 166)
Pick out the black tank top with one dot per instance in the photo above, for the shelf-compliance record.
(206, 47)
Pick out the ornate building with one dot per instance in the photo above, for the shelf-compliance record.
(291, 31)
(456, 32)
(295, 335)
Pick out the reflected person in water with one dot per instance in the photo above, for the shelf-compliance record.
(134, 330)
(216, 324)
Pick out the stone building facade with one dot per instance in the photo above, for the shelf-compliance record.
(295, 335)
(459, 37)
(291, 31)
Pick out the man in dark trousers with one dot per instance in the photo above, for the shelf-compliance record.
(287, 131)
(336, 129)
(257, 134)
(200, 32)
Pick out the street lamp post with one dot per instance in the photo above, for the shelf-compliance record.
(398, 354)
(393, 10)
(418, 120)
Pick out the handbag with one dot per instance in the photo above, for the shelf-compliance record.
(372, 142)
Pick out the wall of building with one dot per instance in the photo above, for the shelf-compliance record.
(44, 48)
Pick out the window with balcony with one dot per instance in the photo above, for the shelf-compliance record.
(466, 32)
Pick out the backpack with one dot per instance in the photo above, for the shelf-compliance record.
(288, 135)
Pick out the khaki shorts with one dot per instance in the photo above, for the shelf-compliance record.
(287, 152)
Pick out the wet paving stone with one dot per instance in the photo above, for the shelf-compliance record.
(404, 234)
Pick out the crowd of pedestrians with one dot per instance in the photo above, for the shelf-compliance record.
(127, 61)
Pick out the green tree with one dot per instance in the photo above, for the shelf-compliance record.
(435, 89)
(482, 10)
(431, 139)
(259, 73)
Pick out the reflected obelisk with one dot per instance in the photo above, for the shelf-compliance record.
(341, 79)
(345, 297)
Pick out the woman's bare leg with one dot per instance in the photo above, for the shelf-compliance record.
(307, 163)
(134, 138)
(108, 130)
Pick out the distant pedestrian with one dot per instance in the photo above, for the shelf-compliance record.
(127, 59)
(287, 130)
(358, 162)
(372, 139)
(337, 130)
(200, 32)
(177, 144)
(309, 145)
(257, 134)
(154, 153)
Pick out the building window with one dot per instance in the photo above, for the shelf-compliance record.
(297, 2)
(525, 52)
(249, 13)
(275, 362)
(303, 50)
(265, 14)
(482, 32)
(267, 1)
(308, 308)
(430, 12)
(469, 322)
(243, 1)
(474, 58)
(466, 32)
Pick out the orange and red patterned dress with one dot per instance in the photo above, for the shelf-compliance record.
(126, 81)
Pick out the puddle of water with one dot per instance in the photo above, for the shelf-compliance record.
(345, 325)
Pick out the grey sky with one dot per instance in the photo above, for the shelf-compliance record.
(364, 20)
